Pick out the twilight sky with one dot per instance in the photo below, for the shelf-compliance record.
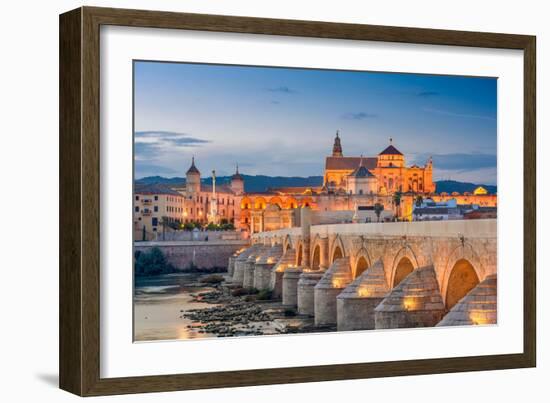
(282, 121)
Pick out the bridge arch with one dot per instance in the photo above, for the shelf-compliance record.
(287, 243)
(403, 264)
(316, 257)
(462, 279)
(299, 254)
(464, 260)
(337, 250)
(362, 263)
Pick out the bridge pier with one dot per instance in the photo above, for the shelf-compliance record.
(478, 307)
(250, 266)
(240, 262)
(276, 283)
(355, 305)
(263, 268)
(306, 286)
(290, 286)
(415, 302)
(335, 279)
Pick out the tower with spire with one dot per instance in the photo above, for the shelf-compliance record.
(193, 178)
(337, 147)
(237, 182)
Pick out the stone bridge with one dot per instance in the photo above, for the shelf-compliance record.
(378, 275)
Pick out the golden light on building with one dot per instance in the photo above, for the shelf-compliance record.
(410, 303)
(270, 260)
(480, 190)
(479, 317)
(363, 291)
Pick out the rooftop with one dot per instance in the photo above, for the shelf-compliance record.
(350, 163)
(155, 189)
(391, 150)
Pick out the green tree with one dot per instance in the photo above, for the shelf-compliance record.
(152, 263)
(397, 202)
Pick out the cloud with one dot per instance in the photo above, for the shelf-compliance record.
(359, 115)
(427, 94)
(458, 115)
(282, 89)
(459, 162)
(275, 102)
(149, 144)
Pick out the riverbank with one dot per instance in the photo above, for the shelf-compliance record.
(252, 314)
(188, 306)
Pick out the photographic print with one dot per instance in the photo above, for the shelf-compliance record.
(273, 200)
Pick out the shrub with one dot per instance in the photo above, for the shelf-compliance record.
(237, 292)
(264, 295)
(289, 312)
(152, 263)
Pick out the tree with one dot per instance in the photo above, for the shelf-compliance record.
(397, 202)
(378, 208)
(164, 222)
(151, 263)
(418, 201)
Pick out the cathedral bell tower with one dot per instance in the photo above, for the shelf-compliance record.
(337, 147)
(193, 178)
(237, 182)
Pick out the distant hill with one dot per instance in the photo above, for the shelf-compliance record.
(252, 183)
(260, 183)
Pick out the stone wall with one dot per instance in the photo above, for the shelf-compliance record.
(204, 255)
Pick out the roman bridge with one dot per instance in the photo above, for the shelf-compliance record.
(378, 275)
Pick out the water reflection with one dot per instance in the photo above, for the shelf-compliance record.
(158, 305)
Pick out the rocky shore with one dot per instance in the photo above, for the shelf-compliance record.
(232, 314)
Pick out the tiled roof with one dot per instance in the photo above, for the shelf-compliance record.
(391, 150)
(219, 188)
(361, 172)
(155, 189)
(350, 163)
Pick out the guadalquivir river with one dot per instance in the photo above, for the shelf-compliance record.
(158, 301)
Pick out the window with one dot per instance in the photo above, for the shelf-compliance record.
(156, 197)
(156, 208)
(137, 197)
(137, 209)
(155, 221)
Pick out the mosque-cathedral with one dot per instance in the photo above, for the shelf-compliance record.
(353, 188)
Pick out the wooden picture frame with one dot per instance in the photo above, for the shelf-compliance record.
(80, 199)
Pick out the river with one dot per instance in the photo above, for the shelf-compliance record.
(158, 302)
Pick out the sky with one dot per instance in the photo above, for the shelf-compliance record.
(282, 121)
